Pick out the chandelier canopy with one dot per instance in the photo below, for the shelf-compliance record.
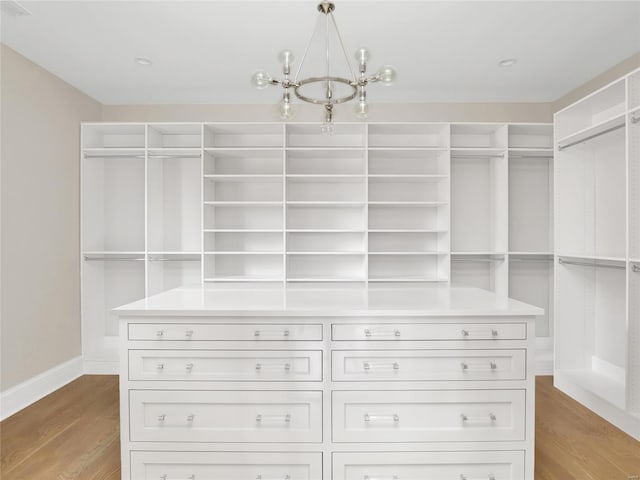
(326, 88)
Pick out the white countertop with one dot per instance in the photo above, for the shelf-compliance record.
(433, 300)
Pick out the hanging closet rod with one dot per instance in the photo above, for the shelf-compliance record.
(543, 157)
(141, 156)
(608, 130)
(478, 260)
(471, 155)
(585, 264)
(512, 259)
(171, 259)
(111, 259)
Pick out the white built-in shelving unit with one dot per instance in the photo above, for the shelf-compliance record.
(597, 185)
(172, 204)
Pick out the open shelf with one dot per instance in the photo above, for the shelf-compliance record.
(243, 162)
(478, 136)
(481, 270)
(434, 135)
(325, 162)
(233, 267)
(421, 242)
(113, 135)
(311, 136)
(167, 271)
(311, 267)
(325, 217)
(408, 162)
(605, 126)
(243, 217)
(325, 242)
(531, 138)
(247, 242)
(325, 189)
(174, 136)
(243, 135)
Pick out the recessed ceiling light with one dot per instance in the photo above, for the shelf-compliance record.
(507, 62)
(143, 61)
(13, 9)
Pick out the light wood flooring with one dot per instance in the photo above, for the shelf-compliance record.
(73, 434)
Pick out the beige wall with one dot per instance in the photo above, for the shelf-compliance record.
(437, 112)
(600, 81)
(40, 286)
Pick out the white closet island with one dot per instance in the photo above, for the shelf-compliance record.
(327, 381)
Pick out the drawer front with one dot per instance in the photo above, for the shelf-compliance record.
(225, 466)
(417, 365)
(488, 465)
(225, 365)
(223, 332)
(429, 331)
(429, 416)
(225, 416)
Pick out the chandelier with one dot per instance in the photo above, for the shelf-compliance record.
(327, 88)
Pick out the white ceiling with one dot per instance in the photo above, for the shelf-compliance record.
(444, 51)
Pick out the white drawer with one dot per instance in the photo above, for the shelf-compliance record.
(429, 416)
(223, 332)
(417, 365)
(429, 331)
(485, 465)
(225, 466)
(226, 365)
(225, 416)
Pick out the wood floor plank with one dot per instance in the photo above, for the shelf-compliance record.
(73, 434)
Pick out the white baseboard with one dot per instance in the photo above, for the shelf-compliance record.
(93, 367)
(16, 398)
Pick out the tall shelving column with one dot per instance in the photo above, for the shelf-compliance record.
(243, 202)
(113, 234)
(173, 205)
(594, 319)
(531, 228)
(325, 203)
(479, 206)
(408, 202)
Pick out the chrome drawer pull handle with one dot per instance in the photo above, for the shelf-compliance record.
(478, 367)
(258, 367)
(160, 367)
(372, 417)
(160, 333)
(287, 367)
(368, 366)
(189, 333)
(464, 477)
(286, 418)
(190, 418)
(286, 477)
(464, 366)
(465, 333)
(284, 333)
(380, 477)
(161, 418)
(370, 333)
(492, 418)
(493, 365)
(256, 333)
(494, 332)
(479, 333)
(189, 367)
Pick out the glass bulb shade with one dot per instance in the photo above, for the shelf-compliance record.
(285, 110)
(361, 110)
(328, 128)
(261, 79)
(286, 57)
(362, 55)
(387, 75)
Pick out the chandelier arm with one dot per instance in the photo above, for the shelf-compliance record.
(306, 51)
(344, 51)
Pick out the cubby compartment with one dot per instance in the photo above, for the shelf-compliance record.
(488, 272)
(530, 204)
(271, 242)
(173, 136)
(408, 163)
(231, 163)
(592, 328)
(108, 282)
(300, 242)
(326, 267)
(325, 162)
(173, 204)
(248, 188)
(171, 271)
(407, 242)
(408, 218)
(312, 136)
(243, 267)
(408, 189)
(408, 135)
(531, 281)
(426, 267)
(113, 203)
(478, 136)
(326, 189)
(243, 217)
(325, 217)
(590, 191)
(600, 111)
(113, 136)
(243, 135)
(531, 137)
(479, 204)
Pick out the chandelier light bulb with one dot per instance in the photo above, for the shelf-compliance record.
(361, 110)
(285, 109)
(387, 75)
(362, 55)
(286, 57)
(328, 128)
(261, 79)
